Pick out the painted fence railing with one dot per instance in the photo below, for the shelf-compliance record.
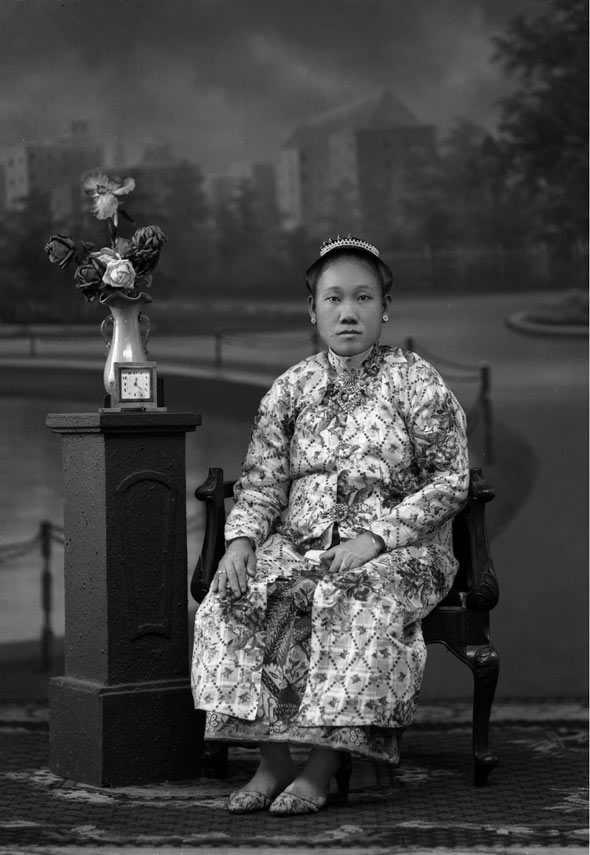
(41, 543)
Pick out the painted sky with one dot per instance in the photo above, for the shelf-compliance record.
(228, 80)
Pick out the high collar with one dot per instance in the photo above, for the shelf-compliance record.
(349, 363)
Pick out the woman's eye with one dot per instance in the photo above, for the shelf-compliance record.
(364, 297)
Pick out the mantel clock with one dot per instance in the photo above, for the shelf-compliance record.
(136, 386)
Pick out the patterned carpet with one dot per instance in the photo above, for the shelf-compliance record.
(536, 797)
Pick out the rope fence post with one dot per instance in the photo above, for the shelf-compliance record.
(46, 597)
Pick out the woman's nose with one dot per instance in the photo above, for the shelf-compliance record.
(348, 312)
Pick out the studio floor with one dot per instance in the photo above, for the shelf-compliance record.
(536, 799)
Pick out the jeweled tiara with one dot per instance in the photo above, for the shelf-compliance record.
(355, 243)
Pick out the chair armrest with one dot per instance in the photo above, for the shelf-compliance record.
(213, 492)
(484, 591)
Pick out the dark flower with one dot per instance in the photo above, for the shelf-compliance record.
(143, 282)
(89, 278)
(146, 245)
(60, 250)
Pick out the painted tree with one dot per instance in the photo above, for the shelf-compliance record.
(462, 195)
(544, 120)
(32, 291)
(249, 255)
(179, 205)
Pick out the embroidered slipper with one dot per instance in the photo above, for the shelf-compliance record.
(290, 804)
(248, 801)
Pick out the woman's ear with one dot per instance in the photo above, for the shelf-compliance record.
(386, 302)
(311, 307)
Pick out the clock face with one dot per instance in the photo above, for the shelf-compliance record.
(136, 384)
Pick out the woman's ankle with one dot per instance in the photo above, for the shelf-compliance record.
(322, 765)
(275, 770)
(276, 757)
(326, 761)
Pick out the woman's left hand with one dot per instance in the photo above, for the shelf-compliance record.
(350, 554)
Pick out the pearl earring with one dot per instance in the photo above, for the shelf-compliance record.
(313, 320)
(385, 318)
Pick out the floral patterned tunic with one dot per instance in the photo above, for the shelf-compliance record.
(336, 658)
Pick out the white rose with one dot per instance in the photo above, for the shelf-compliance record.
(119, 273)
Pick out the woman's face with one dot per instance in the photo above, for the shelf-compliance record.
(348, 306)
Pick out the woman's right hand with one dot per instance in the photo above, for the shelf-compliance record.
(238, 563)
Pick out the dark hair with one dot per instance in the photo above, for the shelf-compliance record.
(382, 272)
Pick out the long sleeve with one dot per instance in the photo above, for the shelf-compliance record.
(437, 429)
(262, 492)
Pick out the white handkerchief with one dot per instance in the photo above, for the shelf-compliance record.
(313, 556)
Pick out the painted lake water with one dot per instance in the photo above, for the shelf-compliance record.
(30, 467)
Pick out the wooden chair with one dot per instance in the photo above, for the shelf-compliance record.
(460, 621)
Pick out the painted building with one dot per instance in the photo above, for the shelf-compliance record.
(350, 167)
(158, 175)
(255, 178)
(39, 167)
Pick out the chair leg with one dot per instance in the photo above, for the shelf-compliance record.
(214, 759)
(486, 666)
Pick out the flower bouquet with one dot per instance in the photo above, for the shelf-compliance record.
(118, 275)
(124, 267)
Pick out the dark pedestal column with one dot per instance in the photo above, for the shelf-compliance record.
(123, 713)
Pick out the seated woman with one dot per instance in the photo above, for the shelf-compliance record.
(359, 455)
